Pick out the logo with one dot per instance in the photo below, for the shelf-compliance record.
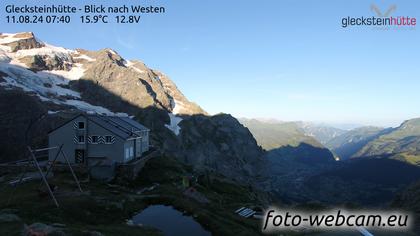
(381, 20)
(378, 12)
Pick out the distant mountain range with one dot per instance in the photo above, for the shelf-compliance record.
(322, 133)
(302, 169)
(287, 140)
(274, 134)
(349, 143)
(401, 143)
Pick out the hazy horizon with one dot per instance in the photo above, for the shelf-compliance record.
(340, 125)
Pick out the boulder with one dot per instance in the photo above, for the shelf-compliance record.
(8, 217)
(37, 229)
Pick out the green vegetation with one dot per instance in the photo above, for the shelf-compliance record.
(224, 196)
(98, 209)
(106, 207)
(403, 140)
(401, 143)
(271, 135)
(409, 158)
(349, 143)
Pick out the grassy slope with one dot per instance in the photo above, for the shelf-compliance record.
(275, 135)
(79, 212)
(349, 143)
(403, 142)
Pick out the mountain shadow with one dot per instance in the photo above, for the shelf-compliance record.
(303, 153)
(364, 181)
(208, 143)
(379, 170)
(348, 144)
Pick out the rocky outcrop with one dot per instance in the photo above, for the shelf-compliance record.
(21, 41)
(180, 105)
(108, 73)
(220, 143)
(42, 229)
(132, 81)
(45, 62)
(97, 74)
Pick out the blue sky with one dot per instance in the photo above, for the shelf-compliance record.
(289, 60)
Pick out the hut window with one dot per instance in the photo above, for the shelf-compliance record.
(108, 139)
(95, 139)
(81, 139)
(81, 125)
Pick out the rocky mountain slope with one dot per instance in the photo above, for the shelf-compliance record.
(276, 134)
(348, 144)
(287, 140)
(224, 145)
(322, 133)
(54, 83)
(53, 69)
(302, 169)
(401, 143)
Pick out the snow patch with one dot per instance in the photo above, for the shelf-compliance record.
(43, 85)
(4, 58)
(47, 85)
(92, 109)
(10, 38)
(85, 57)
(174, 121)
(76, 72)
(127, 63)
(9, 82)
(132, 66)
(138, 70)
(47, 50)
(84, 106)
(178, 106)
(5, 48)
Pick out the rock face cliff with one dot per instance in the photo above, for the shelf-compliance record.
(57, 83)
(222, 144)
